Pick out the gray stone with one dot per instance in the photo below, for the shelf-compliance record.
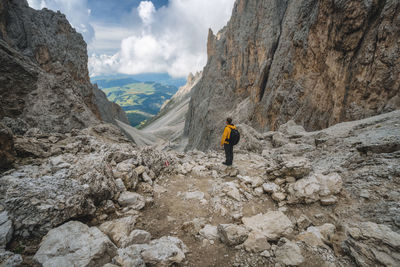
(232, 234)
(209, 232)
(75, 244)
(289, 253)
(132, 199)
(6, 229)
(272, 224)
(9, 259)
(119, 230)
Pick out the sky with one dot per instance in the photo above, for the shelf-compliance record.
(132, 36)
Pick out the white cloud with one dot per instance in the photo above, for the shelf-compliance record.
(175, 42)
(146, 11)
(76, 11)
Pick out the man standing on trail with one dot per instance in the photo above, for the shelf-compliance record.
(225, 142)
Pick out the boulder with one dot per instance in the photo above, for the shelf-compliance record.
(230, 188)
(75, 244)
(119, 230)
(209, 232)
(256, 242)
(315, 187)
(297, 167)
(272, 224)
(124, 171)
(270, 188)
(131, 199)
(278, 196)
(164, 251)
(232, 234)
(139, 237)
(288, 253)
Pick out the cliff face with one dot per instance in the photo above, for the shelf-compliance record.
(44, 71)
(317, 62)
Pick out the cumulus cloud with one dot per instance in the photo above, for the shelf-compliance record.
(175, 42)
(76, 11)
(146, 11)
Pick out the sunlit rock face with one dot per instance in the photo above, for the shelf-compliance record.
(315, 62)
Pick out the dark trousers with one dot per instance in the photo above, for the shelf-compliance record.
(228, 153)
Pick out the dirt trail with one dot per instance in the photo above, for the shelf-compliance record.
(181, 200)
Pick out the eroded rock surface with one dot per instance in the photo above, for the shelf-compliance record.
(314, 62)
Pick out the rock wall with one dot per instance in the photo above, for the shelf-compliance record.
(317, 62)
(44, 74)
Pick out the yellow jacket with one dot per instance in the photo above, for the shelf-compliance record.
(227, 134)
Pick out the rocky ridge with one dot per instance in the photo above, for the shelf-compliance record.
(315, 62)
(44, 76)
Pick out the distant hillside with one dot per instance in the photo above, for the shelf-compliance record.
(140, 100)
(106, 81)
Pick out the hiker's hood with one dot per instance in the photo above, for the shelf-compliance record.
(233, 127)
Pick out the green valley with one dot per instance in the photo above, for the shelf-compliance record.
(140, 100)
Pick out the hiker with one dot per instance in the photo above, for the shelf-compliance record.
(227, 143)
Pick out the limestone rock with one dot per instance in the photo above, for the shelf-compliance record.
(124, 171)
(278, 196)
(270, 188)
(303, 222)
(119, 230)
(164, 251)
(289, 253)
(315, 187)
(231, 190)
(6, 229)
(373, 244)
(132, 199)
(75, 244)
(9, 259)
(256, 242)
(139, 237)
(232, 234)
(209, 232)
(272, 224)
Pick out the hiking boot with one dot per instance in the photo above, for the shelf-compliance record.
(225, 163)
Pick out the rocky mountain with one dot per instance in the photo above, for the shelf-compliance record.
(316, 62)
(44, 71)
(44, 75)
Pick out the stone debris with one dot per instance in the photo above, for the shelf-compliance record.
(288, 253)
(315, 188)
(119, 230)
(232, 234)
(272, 224)
(132, 199)
(75, 244)
(164, 251)
(209, 232)
(256, 242)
